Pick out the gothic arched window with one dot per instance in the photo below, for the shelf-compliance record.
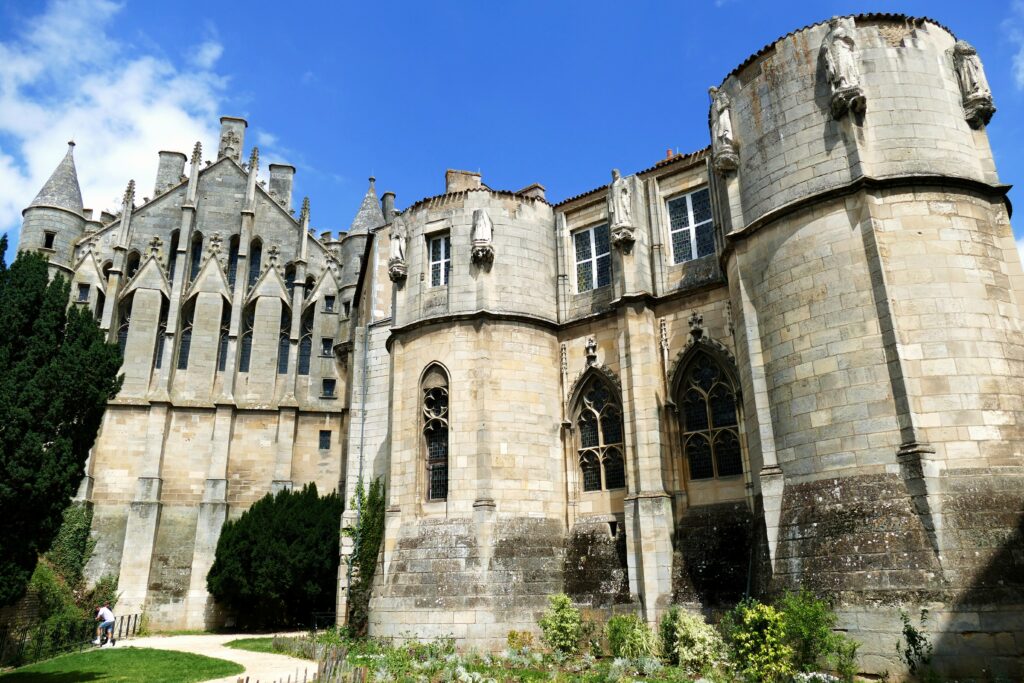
(245, 347)
(283, 341)
(185, 343)
(306, 342)
(707, 412)
(197, 255)
(255, 261)
(132, 266)
(172, 254)
(435, 432)
(222, 338)
(232, 260)
(161, 334)
(600, 441)
(125, 316)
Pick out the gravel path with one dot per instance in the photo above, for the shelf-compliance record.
(259, 666)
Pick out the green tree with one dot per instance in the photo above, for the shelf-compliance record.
(278, 562)
(57, 373)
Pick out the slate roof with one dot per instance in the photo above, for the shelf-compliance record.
(369, 215)
(62, 189)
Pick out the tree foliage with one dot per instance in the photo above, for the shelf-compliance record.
(57, 373)
(278, 562)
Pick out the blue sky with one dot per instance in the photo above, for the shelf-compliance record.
(550, 92)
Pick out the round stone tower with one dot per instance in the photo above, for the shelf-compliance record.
(475, 523)
(878, 295)
(55, 220)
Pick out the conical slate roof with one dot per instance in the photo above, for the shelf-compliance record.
(62, 189)
(369, 215)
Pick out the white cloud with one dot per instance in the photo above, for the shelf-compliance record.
(1014, 29)
(64, 76)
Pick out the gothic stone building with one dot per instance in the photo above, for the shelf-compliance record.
(792, 358)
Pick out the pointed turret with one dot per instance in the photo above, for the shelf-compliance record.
(62, 190)
(55, 220)
(369, 215)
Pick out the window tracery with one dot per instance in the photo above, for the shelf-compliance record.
(600, 440)
(435, 432)
(709, 420)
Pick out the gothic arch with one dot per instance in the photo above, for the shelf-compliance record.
(602, 371)
(599, 430)
(435, 414)
(714, 348)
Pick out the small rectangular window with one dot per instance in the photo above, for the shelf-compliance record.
(328, 304)
(325, 439)
(326, 347)
(347, 307)
(83, 293)
(593, 258)
(440, 260)
(691, 227)
(327, 388)
(48, 238)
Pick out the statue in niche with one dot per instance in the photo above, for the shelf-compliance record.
(483, 233)
(397, 266)
(723, 146)
(977, 97)
(620, 212)
(840, 53)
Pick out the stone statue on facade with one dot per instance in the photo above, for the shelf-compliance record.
(723, 145)
(977, 97)
(840, 52)
(398, 268)
(620, 212)
(483, 234)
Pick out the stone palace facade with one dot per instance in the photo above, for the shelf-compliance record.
(792, 358)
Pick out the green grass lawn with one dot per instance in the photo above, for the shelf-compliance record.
(124, 665)
(253, 644)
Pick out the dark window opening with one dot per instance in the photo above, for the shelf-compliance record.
(325, 439)
(48, 238)
(83, 293)
(709, 420)
(326, 347)
(328, 304)
(328, 387)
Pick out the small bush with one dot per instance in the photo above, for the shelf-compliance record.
(690, 642)
(629, 637)
(519, 640)
(916, 648)
(756, 637)
(844, 657)
(561, 625)
(808, 624)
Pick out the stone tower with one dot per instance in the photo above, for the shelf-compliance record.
(878, 299)
(55, 220)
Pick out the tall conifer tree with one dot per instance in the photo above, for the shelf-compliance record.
(57, 373)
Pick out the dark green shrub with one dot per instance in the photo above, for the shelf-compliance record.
(561, 625)
(808, 624)
(278, 563)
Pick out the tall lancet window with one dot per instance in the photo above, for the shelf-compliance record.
(197, 255)
(132, 264)
(306, 342)
(161, 334)
(707, 411)
(125, 316)
(435, 431)
(600, 447)
(255, 261)
(185, 345)
(172, 254)
(222, 339)
(283, 341)
(245, 347)
(232, 260)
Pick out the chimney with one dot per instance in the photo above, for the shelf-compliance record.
(459, 181)
(325, 236)
(281, 177)
(387, 204)
(232, 135)
(169, 171)
(535, 191)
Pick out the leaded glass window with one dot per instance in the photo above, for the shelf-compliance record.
(306, 343)
(600, 448)
(691, 227)
(593, 258)
(222, 339)
(435, 432)
(440, 260)
(161, 334)
(232, 260)
(196, 255)
(283, 342)
(245, 347)
(707, 411)
(255, 261)
(185, 343)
